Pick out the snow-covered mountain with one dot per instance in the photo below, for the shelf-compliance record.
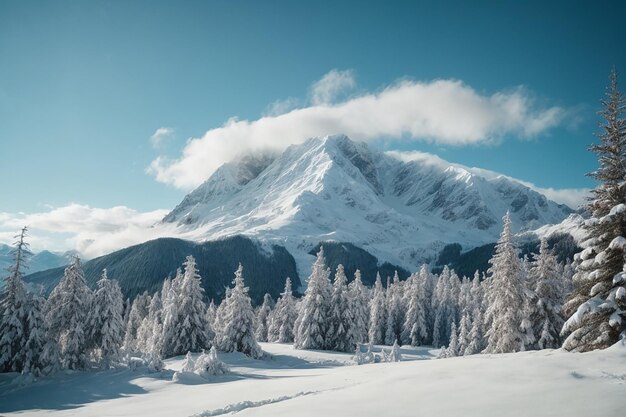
(402, 211)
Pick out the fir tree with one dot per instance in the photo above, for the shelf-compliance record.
(378, 313)
(359, 302)
(546, 314)
(237, 335)
(340, 335)
(67, 310)
(187, 329)
(138, 311)
(415, 330)
(395, 311)
(14, 311)
(263, 318)
(315, 308)
(508, 309)
(283, 320)
(106, 321)
(597, 306)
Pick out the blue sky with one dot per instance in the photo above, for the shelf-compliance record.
(84, 85)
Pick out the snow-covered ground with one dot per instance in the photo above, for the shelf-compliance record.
(311, 383)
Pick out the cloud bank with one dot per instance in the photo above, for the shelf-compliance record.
(446, 112)
(91, 231)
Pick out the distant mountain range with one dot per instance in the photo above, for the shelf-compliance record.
(40, 261)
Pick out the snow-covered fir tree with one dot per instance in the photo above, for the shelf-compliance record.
(445, 305)
(138, 311)
(14, 311)
(395, 311)
(597, 307)
(340, 335)
(39, 344)
(208, 364)
(378, 313)
(283, 319)
(151, 326)
(313, 316)
(67, 311)
(453, 346)
(186, 328)
(237, 334)
(263, 318)
(548, 298)
(415, 330)
(359, 303)
(106, 322)
(508, 306)
(211, 313)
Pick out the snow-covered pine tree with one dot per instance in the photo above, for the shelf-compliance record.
(453, 347)
(415, 330)
(67, 310)
(285, 315)
(464, 332)
(208, 364)
(445, 302)
(315, 308)
(138, 311)
(237, 335)
(475, 338)
(378, 313)
(106, 321)
(548, 298)
(211, 313)
(263, 318)
(359, 303)
(340, 335)
(14, 311)
(508, 306)
(35, 361)
(189, 329)
(597, 306)
(395, 311)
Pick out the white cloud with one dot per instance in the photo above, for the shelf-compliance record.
(160, 136)
(334, 83)
(446, 112)
(281, 106)
(91, 231)
(572, 197)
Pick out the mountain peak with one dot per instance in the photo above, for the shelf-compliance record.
(333, 188)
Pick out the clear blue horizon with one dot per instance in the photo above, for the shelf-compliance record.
(84, 85)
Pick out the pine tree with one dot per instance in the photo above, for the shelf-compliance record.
(359, 304)
(67, 310)
(263, 318)
(315, 308)
(508, 309)
(453, 347)
(597, 306)
(549, 292)
(445, 303)
(138, 311)
(187, 329)
(378, 313)
(415, 330)
(237, 335)
(106, 320)
(395, 311)
(208, 364)
(36, 362)
(14, 311)
(340, 335)
(283, 320)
